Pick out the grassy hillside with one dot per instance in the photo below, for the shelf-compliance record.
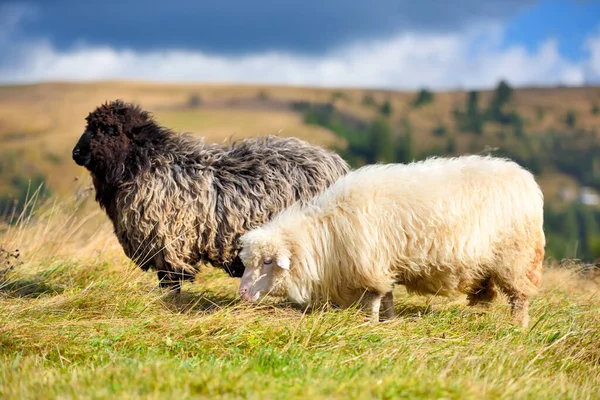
(78, 321)
(553, 132)
(39, 124)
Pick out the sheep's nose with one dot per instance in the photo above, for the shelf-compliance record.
(244, 294)
(76, 153)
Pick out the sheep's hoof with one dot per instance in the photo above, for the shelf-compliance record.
(175, 289)
(521, 321)
(172, 287)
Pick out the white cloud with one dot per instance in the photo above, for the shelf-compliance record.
(407, 61)
(592, 45)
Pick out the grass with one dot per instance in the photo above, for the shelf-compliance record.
(77, 320)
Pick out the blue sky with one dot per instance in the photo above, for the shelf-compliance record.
(399, 44)
(570, 22)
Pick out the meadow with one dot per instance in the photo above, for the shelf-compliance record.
(78, 320)
(551, 131)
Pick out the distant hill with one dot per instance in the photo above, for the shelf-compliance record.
(552, 131)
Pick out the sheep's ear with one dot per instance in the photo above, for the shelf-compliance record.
(283, 262)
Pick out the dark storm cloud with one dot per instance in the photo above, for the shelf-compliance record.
(243, 26)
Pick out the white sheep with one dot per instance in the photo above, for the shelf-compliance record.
(442, 226)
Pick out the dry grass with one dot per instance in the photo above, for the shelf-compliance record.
(77, 320)
(222, 124)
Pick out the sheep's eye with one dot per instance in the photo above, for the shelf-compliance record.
(267, 260)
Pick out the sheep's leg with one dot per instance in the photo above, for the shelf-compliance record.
(371, 302)
(520, 309)
(165, 282)
(388, 306)
(519, 302)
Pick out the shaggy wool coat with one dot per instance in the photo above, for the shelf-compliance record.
(176, 201)
(440, 227)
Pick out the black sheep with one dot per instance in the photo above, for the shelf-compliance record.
(176, 201)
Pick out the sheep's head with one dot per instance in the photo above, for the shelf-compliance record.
(108, 136)
(267, 262)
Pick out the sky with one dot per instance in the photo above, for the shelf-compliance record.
(390, 44)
